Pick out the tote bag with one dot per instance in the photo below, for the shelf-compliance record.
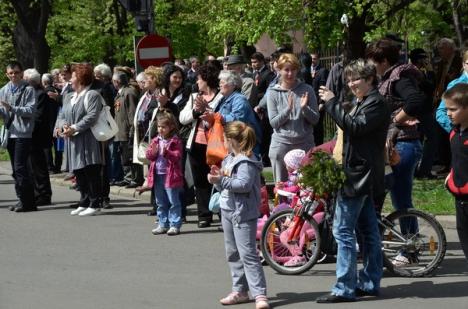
(215, 150)
(105, 127)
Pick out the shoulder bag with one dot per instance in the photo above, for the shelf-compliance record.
(105, 127)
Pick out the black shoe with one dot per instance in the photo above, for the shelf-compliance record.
(76, 205)
(106, 205)
(122, 183)
(151, 213)
(43, 202)
(24, 209)
(361, 293)
(203, 224)
(131, 185)
(12, 208)
(331, 299)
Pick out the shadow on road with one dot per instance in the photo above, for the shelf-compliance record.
(425, 289)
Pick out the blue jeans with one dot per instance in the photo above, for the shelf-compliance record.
(115, 168)
(351, 213)
(168, 201)
(403, 173)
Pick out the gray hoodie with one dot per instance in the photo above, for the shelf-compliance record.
(23, 111)
(295, 126)
(240, 187)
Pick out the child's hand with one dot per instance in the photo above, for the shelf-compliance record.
(155, 149)
(214, 179)
(215, 170)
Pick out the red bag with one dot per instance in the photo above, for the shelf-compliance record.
(215, 150)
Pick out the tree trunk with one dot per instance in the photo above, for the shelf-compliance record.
(456, 21)
(355, 46)
(31, 46)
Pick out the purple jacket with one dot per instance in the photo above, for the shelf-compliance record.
(173, 155)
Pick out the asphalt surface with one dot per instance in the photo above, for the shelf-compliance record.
(49, 259)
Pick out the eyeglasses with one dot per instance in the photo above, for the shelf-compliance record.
(352, 80)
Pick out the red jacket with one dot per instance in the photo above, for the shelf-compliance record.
(173, 155)
(457, 181)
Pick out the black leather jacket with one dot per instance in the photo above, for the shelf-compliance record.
(365, 131)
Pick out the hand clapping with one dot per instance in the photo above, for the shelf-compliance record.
(325, 94)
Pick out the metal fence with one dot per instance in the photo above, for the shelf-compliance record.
(328, 58)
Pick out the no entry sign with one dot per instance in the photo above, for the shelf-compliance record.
(153, 49)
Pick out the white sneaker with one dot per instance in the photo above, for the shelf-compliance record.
(89, 212)
(173, 231)
(159, 230)
(77, 211)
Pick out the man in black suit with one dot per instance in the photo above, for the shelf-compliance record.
(41, 139)
(261, 73)
(319, 78)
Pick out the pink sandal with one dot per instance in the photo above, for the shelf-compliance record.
(235, 298)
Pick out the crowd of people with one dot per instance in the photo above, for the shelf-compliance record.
(382, 106)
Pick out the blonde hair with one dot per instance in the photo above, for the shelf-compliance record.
(165, 116)
(465, 55)
(288, 58)
(155, 73)
(243, 134)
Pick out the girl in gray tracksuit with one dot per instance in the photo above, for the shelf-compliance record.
(238, 180)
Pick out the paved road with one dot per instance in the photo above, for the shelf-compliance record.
(49, 259)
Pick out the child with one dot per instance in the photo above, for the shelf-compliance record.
(293, 161)
(165, 174)
(238, 180)
(456, 102)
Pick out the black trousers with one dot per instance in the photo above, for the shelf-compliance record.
(55, 161)
(89, 183)
(42, 188)
(19, 150)
(462, 224)
(200, 170)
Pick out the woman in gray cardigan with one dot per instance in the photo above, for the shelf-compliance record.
(292, 111)
(75, 123)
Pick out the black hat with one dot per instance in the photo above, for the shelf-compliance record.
(235, 59)
(417, 54)
(394, 37)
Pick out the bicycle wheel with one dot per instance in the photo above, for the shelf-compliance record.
(413, 243)
(293, 257)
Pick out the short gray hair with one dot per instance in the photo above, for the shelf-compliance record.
(362, 69)
(47, 79)
(231, 78)
(104, 69)
(140, 77)
(120, 77)
(32, 76)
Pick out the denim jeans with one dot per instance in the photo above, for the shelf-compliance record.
(115, 167)
(168, 201)
(403, 173)
(351, 213)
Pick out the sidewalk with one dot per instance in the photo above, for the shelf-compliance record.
(447, 222)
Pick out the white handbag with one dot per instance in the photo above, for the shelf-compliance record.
(105, 127)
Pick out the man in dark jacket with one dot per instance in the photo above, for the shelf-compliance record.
(365, 130)
(41, 139)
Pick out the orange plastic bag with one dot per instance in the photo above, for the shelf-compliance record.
(215, 150)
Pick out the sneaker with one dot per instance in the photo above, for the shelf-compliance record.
(173, 231)
(261, 302)
(90, 212)
(295, 261)
(401, 261)
(159, 230)
(77, 211)
(235, 298)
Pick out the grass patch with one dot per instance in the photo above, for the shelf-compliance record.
(4, 155)
(268, 175)
(430, 196)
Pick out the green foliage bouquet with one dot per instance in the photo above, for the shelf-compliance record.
(322, 174)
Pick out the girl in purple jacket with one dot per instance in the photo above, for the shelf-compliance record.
(165, 175)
